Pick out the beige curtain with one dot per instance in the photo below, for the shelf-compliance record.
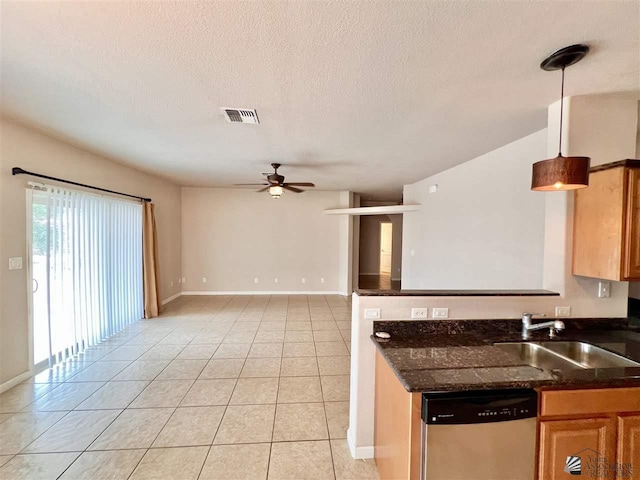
(150, 274)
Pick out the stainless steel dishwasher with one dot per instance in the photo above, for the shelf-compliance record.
(480, 435)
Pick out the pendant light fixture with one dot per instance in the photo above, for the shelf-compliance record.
(562, 173)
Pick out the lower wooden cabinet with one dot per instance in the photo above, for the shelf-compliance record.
(397, 421)
(575, 445)
(629, 444)
(589, 433)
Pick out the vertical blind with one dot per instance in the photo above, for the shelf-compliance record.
(94, 268)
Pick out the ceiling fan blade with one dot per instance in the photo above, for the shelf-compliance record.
(249, 184)
(301, 184)
(263, 189)
(291, 189)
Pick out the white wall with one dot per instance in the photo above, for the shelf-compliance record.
(483, 228)
(231, 236)
(24, 147)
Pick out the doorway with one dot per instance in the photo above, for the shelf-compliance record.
(86, 270)
(386, 248)
(380, 252)
(39, 269)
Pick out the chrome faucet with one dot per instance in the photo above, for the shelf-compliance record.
(554, 326)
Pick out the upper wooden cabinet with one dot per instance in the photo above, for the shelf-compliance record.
(606, 235)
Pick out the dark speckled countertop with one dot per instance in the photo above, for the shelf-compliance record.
(452, 355)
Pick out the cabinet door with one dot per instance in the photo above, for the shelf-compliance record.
(629, 447)
(598, 228)
(576, 446)
(632, 227)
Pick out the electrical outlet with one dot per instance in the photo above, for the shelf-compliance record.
(172, 283)
(304, 280)
(275, 280)
(440, 313)
(204, 279)
(419, 313)
(563, 311)
(604, 289)
(322, 280)
(179, 280)
(255, 280)
(433, 188)
(372, 313)
(184, 280)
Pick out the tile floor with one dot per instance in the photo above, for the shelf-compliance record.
(233, 387)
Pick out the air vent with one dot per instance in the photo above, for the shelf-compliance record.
(240, 115)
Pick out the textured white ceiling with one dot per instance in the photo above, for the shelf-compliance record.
(365, 96)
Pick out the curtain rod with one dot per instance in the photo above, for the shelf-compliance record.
(20, 171)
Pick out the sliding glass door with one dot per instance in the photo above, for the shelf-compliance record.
(87, 270)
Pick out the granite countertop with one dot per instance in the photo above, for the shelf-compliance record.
(452, 355)
(455, 293)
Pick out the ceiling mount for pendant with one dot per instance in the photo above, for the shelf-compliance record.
(562, 173)
(565, 57)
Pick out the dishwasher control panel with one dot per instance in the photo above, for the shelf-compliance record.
(455, 408)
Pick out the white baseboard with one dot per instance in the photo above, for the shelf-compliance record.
(358, 452)
(15, 381)
(263, 292)
(396, 279)
(171, 298)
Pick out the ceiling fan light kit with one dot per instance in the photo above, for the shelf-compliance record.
(276, 184)
(275, 191)
(562, 173)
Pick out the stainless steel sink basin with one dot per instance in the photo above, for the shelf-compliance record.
(565, 355)
(589, 356)
(538, 356)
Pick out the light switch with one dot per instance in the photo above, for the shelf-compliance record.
(15, 263)
(440, 313)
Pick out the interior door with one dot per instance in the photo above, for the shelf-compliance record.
(386, 234)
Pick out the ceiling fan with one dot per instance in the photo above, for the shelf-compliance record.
(276, 183)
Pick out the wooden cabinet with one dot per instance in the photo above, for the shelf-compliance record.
(629, 444)
(606, 236)
(596, 432)
(561, 440)
(397, 420)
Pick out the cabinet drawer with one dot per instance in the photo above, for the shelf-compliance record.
(584, 402)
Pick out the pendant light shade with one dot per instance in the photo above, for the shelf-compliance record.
(561, 173)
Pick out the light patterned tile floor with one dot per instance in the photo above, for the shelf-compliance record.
(229, 387)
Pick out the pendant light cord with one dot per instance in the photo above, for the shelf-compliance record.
(561, 112)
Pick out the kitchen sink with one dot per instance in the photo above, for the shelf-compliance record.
(589, 356)
(565, 355)
(538, 356)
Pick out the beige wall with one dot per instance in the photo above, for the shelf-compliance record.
(370, 244)
(23, 147)
(231, 236)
